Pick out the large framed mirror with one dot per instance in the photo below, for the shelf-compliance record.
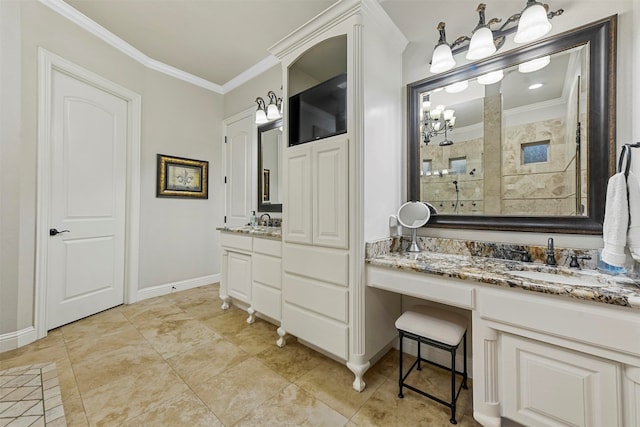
(522, 141)
(270, 167)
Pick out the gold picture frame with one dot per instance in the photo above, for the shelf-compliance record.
(182, 178)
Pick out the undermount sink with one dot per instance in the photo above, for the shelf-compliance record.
(582, 280)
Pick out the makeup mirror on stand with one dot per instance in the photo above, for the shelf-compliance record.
(413, 215)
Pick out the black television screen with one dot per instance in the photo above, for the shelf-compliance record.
(319, 112)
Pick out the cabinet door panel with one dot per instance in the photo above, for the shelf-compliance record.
(239, 276)
(266, 300)
(330, 193)
(296, 206)
(547, 385)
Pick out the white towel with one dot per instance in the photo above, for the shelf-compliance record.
(633, 236)
(616, 221)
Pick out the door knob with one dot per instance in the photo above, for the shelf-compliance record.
(53, 231)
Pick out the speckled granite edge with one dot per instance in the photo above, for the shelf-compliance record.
(507, 251)
(273, 233)
(491, 263)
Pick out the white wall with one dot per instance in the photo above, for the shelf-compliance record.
(415, 67)
(177, 237)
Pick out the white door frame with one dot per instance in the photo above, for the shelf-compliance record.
(249, 112)
(47, 63)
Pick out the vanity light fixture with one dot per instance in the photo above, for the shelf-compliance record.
(271, 112)
(261, 114)
(436, 121)
(529, 25)
(535, 86)
(275, 106)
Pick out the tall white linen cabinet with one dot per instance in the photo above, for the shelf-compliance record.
(340, 190)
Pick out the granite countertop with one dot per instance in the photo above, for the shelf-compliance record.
(608, 289)
(274, 233)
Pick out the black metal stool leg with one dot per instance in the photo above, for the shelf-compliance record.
(453, 386)
(401, 336)
(464, 351)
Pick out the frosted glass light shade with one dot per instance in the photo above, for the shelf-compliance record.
(491, 78)
(533, 24)
(534, 65)
(481, 44)
(261, 117)
(272, 112)
(442, 59)
(447, 114)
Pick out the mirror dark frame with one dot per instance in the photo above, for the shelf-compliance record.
(600, 38)
(265, 207)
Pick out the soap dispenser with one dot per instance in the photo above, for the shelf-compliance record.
(253, 220)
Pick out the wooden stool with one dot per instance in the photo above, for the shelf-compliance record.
(438, 328)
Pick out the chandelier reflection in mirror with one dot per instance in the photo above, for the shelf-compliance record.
(529, 25)
(266, 113)
(436, 121)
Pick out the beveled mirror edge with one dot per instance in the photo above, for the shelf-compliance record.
(601, 36)
(265, 207)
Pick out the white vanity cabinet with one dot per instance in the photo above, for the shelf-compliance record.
(236, 267)
(317, 189)
(252, 273)
(539, 359)
(266, 289)
(325, 212)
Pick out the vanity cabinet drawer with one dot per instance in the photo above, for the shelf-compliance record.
(236, 241)
(320, 331)
(328, 265)
(426, 286)
(266, 300)
(267, 270)
(322, 298)
(267, 247)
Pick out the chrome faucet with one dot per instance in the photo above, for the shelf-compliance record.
(551, 256)
(267, 222)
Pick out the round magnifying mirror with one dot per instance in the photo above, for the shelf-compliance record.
(413, 215)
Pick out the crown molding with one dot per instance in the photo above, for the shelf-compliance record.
(250, 73)
(108, 37)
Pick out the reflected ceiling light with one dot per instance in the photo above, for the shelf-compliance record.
(530, 24)
(534, 64)
(481, 44)
(534, 22)
(491, 78)
(457, 87)
(442, 58)
(535, 86)
(261, 114)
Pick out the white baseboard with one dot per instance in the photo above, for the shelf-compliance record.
(16, 339)
(156, 291)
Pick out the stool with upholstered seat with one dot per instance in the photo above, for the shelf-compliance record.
(441, 329)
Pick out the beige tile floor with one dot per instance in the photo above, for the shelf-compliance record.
(180, 360)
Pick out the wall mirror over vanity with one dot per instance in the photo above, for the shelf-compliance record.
(270, 167)
(520, 141)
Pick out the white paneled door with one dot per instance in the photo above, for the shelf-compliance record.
(239, 176)
(86, 248)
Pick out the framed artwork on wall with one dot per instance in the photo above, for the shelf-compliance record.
(180, 177)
